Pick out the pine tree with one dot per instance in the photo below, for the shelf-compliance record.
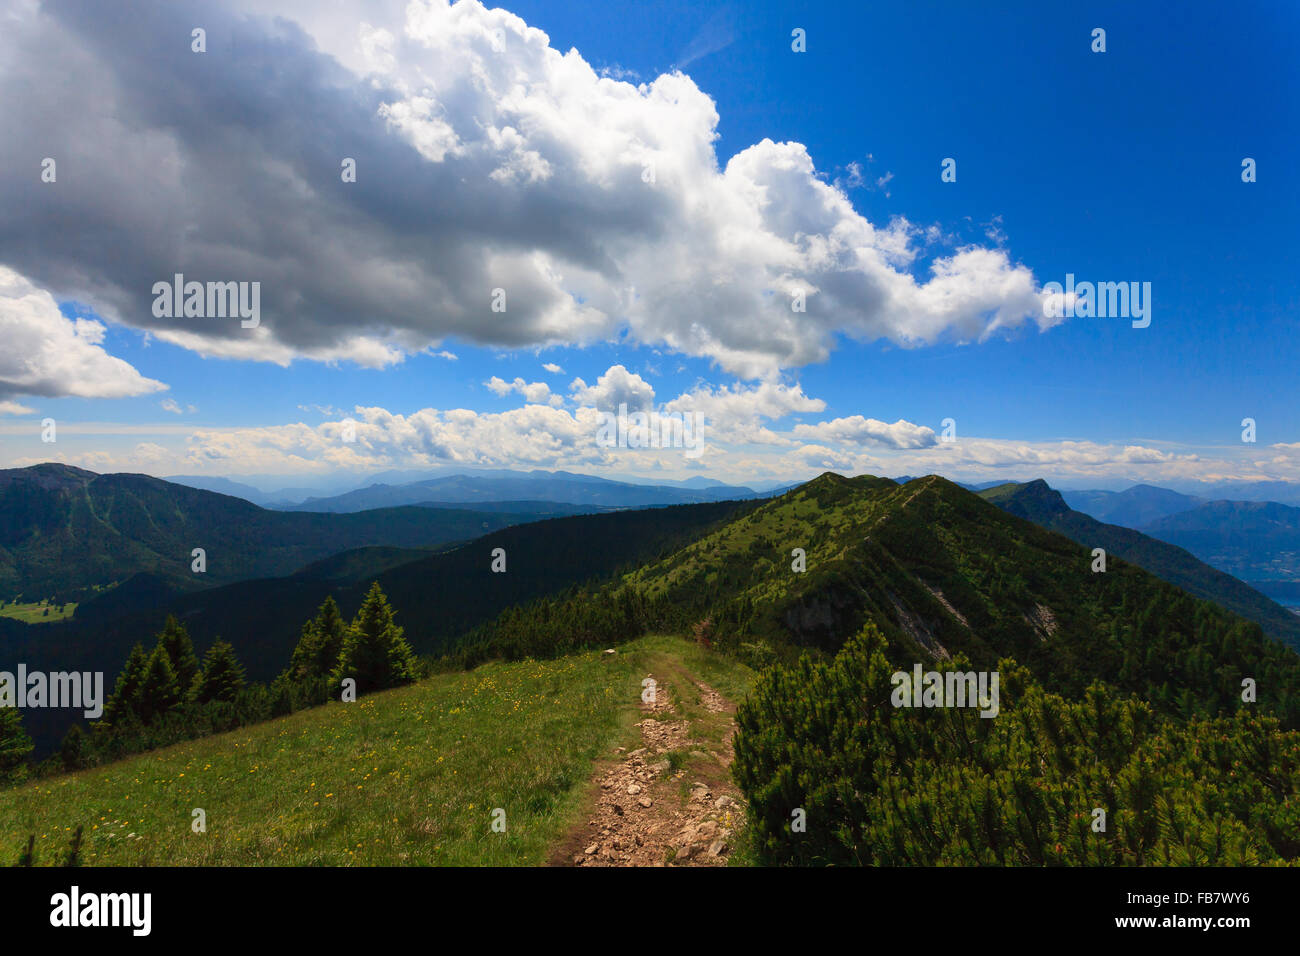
(159, 690)
(121, 705)
(15, 745)
(317, 653)
(175, 640)
(375, 653)
(222, 677)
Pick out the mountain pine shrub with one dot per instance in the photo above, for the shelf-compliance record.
(881, 785)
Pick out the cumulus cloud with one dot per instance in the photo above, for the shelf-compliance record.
(821, 458)
(486, 159)
(540, 434)
(739, 448)
(47, 354)
(14, 408)
(534, 435)
(857, 430)
(744, 430)
(616, 387)
(533, 392)
(736, 413)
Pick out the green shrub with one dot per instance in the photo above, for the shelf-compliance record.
(881, 785)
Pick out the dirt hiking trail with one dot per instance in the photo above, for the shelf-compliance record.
(669, 802)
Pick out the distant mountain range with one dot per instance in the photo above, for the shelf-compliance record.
(1257, 541)
(237, 489)
(1285, 492)
(1133, 507)
(555, 487)
(487, 484)
(65, 531)
(1035, 501)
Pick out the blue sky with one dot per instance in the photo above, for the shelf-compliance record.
(1115, 166)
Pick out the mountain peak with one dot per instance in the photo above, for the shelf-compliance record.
(827, 478)
(50, 475)
(1034, 500)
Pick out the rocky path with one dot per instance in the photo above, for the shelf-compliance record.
(669, 802)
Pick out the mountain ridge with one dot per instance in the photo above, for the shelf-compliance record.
(68, 531)
(1038, 502)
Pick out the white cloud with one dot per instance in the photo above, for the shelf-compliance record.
(856, 430)
(615, 387)
(13, 408)
(821, 458)
(143, 457)
(47, 354)
(553, 368)
(536, 393)
(168, 405)
(735, 413)
(534, 435)
(486, 159)
(740, 447)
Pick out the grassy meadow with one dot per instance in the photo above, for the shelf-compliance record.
(37, 612)
(405, 777)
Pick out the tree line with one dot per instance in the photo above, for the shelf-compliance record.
(166, 694)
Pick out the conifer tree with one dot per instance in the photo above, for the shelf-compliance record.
(175, 640)
(159, 690)
(121, 705)
(375, 653)
(222, 676)
(317, 653)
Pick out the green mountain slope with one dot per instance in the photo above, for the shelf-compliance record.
(1037, 502)
(405, 777)
(64, 530)
(941, 572)
(438, 597)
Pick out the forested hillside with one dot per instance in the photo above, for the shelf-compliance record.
(940, 572)
(1038, 503)
(64, 532)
